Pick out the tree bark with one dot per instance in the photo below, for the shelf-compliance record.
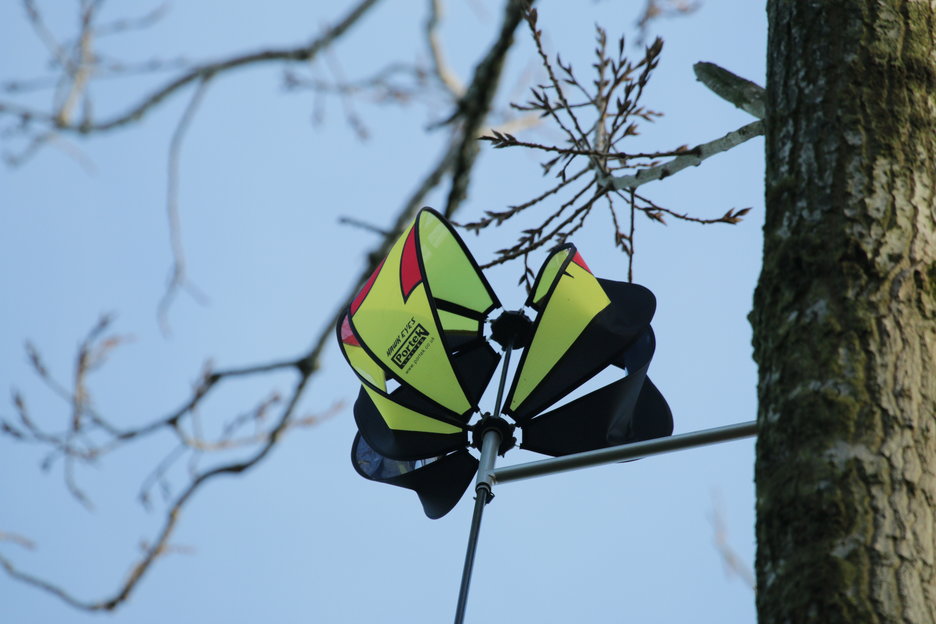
(845, 315)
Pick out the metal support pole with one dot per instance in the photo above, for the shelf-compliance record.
(624, 452)
(489, 445)
(483, 496)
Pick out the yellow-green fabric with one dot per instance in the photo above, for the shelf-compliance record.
(404, 337)
(548, 275)
(404, 419)
(451, 273)
(456, 322)
(426, 287)
(366, 367)
(575, 301)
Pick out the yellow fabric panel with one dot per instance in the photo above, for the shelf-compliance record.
(404, 337)
(577, 298)
(451, 274)
(457, 322)
(404, 419)
(548, 276)
(366, 367)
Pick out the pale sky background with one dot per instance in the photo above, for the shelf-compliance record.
(302, 538)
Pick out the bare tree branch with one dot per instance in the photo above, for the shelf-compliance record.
(612, 108)
(604, 111)
(501, 140)
(693, 158)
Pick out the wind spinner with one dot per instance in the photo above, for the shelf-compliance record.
(415, 336)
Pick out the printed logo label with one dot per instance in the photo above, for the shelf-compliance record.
(410, 342)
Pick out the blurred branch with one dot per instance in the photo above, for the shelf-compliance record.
(363, 225)
(171, 518)
(80, 62)
(77, 69)
(746, 95)
(15, 538)
(134, 23)
(387, 84)
(442, 70)
(85, 445)
(655, 9)
(299, 54)
(473, 107)
(733, 563)
(178, 277)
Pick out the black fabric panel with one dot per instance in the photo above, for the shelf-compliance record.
(586, 423)
(454, 308)
(639, 352)
(581, 425)
(628, 410)
(634, 304)
(602, 341)
(458, 340)
(401, 445)
(475, 366)
(439, 484)
(636, 359)
(651, 418)
(594, 349)
(409, 397)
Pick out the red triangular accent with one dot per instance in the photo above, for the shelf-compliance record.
(347, 336)
(409, 266)
(366, 289)
(579, 261)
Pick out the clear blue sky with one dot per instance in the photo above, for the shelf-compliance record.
(302, 538)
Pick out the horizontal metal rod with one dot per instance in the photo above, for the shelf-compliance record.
(624, 452)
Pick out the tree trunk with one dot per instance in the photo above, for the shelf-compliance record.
(845, 315)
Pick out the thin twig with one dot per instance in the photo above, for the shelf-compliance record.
(630, 238)
(178, 276)
(498, 217)
(655, 212)
(363, 225)
(502, 140)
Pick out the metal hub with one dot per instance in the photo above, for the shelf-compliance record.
(504, 428)
(512, 328)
